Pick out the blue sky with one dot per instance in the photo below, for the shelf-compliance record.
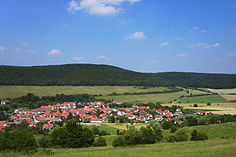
(140, 35)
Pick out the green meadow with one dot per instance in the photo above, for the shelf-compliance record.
(221, 143)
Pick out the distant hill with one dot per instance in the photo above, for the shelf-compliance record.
(100, 75)
(77, 74)
(187, 79)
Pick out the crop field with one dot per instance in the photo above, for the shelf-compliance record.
(16, 91)
(222, 142)
(224, 91)
(204, 99)
(163, 98)
(215, 108)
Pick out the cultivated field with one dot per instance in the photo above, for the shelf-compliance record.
(224, 91)
(101, 91)
(215, 108)
(204, 99)
(16, 91)
(228, 94)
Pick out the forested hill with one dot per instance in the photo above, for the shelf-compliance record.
(92, 74)
(77, 74)
(187, 79)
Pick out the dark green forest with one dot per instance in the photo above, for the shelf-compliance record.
(77, 75)
(204, 80)
(100, 75)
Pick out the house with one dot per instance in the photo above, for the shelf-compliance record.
(201, 113)
(158, 117)
(48, 126)
(3, 123)
(3, 102)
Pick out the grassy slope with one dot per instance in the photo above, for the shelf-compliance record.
(214, 147)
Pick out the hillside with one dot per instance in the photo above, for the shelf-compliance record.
(100, 75)
(77, 74)
(204, 80)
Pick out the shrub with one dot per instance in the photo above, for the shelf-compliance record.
(45, 142)
(103, 133)
(95, 130)
(198, 136)
(181, 136)
(72, 135)
(209, 104)
(20, 140)
(173, 129)
(195, 105)
(167, 125)
(119, 141)
(100, 142)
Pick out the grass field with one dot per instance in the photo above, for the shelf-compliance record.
(163, 98)
(204, 99)
(221, 143)
(16, 91)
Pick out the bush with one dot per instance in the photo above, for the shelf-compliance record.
(100, 142)
(119, 141)
(181, 136)
(209, 104)
(198, 136)
(167, 125)
(195, 105)
(72, 135)
(103, 133)
(45, 142)
(95, 130)
(20, 140)
(145, 135)
(173, 129)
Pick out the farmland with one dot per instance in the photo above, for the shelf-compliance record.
(103, 92)
(228, 94)
(204, 99)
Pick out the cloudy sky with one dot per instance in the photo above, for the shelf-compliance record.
(140, 35)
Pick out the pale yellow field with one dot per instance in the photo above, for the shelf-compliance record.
(217, 108)
(223, 91)
(229, 97)
(124, 126)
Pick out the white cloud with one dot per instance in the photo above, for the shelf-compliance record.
(232, 54)
(205, 46)
(29, 51)
(181, 55)
(216, 45)
(98, 7)
(2, 48)
(164, 44)
(195, 28)
(16, 49)
(103, 58)
(78, 58)
(203, 31)
(135, 35)
(25, 44)
(178, 38)
(54, 52)
(152, 62)
(190, 32)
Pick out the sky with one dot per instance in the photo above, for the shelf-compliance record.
(139, 35)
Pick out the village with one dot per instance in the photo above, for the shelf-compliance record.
(91, 113)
